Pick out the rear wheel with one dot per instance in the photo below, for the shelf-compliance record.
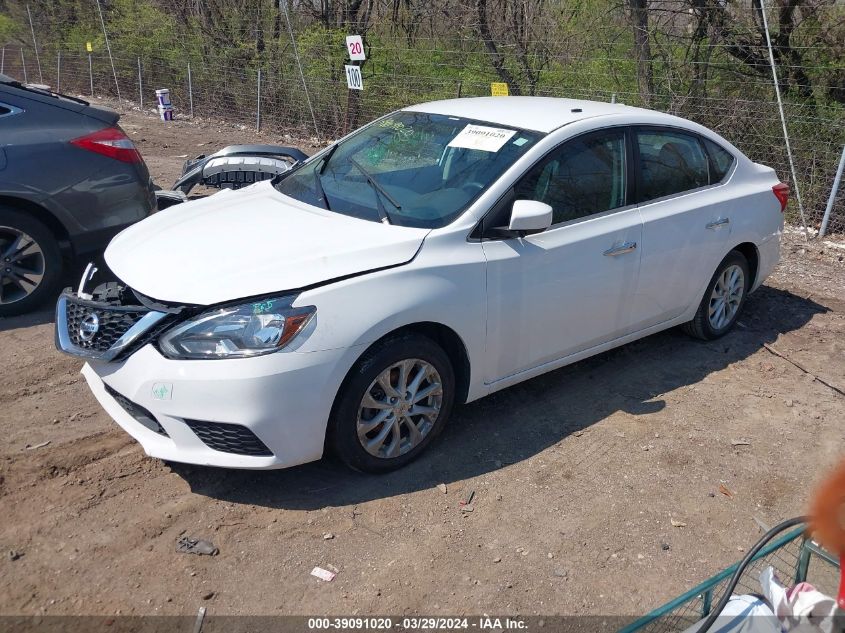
(723, 300)
(30, 263)
(393, 403)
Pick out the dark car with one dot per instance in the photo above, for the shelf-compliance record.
(70, 179)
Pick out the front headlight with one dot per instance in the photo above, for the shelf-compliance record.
(239, 331)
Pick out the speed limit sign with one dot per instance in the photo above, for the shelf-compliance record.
(353, 78)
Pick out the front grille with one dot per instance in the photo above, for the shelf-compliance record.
(106, 329)
(137, 411)
(235, 179)
(228, 438)
(112, 323)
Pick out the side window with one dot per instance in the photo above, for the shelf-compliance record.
(670, 162)
(721, 161)
(582, 177)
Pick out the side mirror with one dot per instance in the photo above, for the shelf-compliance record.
(530, 216)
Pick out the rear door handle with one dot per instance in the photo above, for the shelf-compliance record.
(717, 224)
(627, 247)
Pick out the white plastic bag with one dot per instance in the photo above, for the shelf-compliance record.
(801, 608)
(743, 614)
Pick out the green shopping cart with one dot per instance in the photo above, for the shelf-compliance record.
(787, 548)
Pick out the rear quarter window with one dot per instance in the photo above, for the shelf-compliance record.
(721, 161)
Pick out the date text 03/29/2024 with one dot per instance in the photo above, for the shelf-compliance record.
(483, 623)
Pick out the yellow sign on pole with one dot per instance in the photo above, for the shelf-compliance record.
(88, 47)
(499, 89)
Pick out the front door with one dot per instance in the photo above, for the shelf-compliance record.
(570, 287)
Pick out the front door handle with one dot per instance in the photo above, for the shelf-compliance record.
(717, 224)
(627, 247)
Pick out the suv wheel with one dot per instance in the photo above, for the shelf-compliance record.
(723, 300)
(394, 402)
(30, 263)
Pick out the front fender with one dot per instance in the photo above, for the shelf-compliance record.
(441, 285)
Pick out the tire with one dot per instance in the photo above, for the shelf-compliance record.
(709, 328)
(420, 354)
(42, 261)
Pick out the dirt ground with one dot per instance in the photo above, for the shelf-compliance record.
(580, 476)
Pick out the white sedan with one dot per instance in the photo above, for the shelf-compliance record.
(434, 256)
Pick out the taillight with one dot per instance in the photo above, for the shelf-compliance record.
(781, 191)
(111, 142)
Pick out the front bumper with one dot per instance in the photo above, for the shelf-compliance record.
(283, 399)
(266, 411)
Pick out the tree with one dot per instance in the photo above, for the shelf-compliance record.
(523, 28)
(749, 46)
(496, 58)
(642, 47)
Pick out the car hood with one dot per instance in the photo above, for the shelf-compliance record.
(250, 242)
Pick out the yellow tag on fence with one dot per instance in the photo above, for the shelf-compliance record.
(499, 89)
(88, 47)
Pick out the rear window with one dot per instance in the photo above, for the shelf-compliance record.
(721, 161)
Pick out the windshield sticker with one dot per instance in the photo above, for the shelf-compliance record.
(520, 141)
(481, 137)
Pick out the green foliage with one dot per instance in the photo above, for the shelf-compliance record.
(143, 29)
(323, 52)
(8, 28)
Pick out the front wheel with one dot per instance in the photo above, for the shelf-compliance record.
(394, 402)
(723, 300)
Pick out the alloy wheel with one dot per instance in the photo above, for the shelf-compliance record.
(726, 297)
(399, 408)
(22, 265)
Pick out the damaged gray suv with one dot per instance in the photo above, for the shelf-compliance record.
(70, 180)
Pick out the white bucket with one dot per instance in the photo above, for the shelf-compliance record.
(163, 97)
(165, 112)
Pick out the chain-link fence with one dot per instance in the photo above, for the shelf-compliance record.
(708, 63)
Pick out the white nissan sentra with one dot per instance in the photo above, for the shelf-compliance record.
(434, 256)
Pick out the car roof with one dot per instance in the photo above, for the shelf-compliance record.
(541, 114)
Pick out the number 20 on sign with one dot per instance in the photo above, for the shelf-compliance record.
(353, 78)
(355, 47)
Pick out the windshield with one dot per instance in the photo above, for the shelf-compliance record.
(409, 168)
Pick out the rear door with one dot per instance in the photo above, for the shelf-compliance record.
(686, 219)
(570, 287)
